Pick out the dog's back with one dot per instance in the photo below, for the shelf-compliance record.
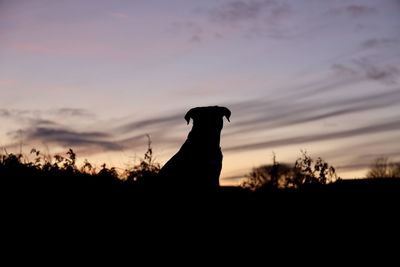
(198, 163)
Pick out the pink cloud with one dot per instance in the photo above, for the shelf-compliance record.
(31, 47)
(358, 10)
(119, 15)
(81, 49)
(7, 82)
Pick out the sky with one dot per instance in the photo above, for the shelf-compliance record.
(98, 76)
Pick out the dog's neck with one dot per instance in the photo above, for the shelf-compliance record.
(205, 139)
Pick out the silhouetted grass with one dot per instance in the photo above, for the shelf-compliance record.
(60, 176)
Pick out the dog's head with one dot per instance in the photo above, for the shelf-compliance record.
(208, 117)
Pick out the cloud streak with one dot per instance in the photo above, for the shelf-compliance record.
(354, 10)
(359, 10)
(364, 68)
(379, 42)
(260, 115)
(370, 129)
(49, 127)
(242, 11)
(295, 107)
(386, 74)
(35, 116)
(8, 82)
(274, 114)
(67, 138)
(159, 122)
(249, 18)
(4, 113)
(73, 112)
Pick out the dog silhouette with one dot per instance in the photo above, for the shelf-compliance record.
(198, 163)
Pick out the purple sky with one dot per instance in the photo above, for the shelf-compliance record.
(97, 76)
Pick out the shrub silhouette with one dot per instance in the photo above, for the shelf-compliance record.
(308, 172)
(268, 176)
(383, 168)
(305, 172)
(144, 173)
(62, 172)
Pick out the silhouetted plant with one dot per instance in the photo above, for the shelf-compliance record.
(279, 176)
(42, 172)
(107, 175)
(146, 171)
(87, 168)
(268, 176)
(307, 172)
(38, 159)
(11, 162)
(383, 168)
(69, 162)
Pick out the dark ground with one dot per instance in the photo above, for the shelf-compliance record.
(319, 223)
(343, 195)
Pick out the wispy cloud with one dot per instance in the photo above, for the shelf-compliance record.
(133, 134)
(84, 48)
(73, 112)
(20, 115)
(387, 73)
(34, 117)
(43, 122)
(359, 10)
(67, 138)
(242, 11)
(5, 113)
(119, 15)
(257, 18)
(237, 11)
(354, 10)
(193, 29)
(379, 42)
(364, 68)
(370, 129)
(36, 127)
(8, 82)
(258, 115)
(158, 122)
(248, 18)
(276, 113)
(34, 47)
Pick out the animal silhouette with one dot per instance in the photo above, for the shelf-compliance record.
(198, 163)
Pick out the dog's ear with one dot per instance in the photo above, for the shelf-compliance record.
(225, 112)
(190, 114)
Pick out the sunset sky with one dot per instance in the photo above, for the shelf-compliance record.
(97, 76)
